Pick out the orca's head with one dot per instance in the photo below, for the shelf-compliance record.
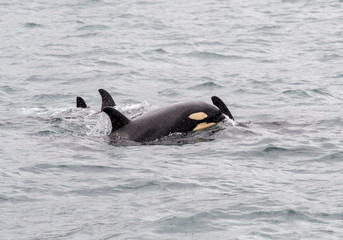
(206, 117)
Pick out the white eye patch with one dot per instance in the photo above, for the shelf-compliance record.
(198, 116)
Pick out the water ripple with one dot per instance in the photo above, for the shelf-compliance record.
(206, 85)
(33, 25)
(274, 173)
(210, 55)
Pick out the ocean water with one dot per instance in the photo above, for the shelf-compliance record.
(275, 173)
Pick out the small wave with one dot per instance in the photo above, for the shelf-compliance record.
(127, 15)
(100, 128)
(268, 28)
(338, 121)
(93, 27)
(340, 75)
(211, 55)
(131, 107)
(16, 199)
(322, 92)
(275, 149)
(108, 63)
(274, 124)
(87, 35)
(290, 1)
(138, 185)
(37, 168)
(288, 151)
(7, 89)
(332, 157)
(92, 191)
(210, 43)
(68, 56)
(297, 93)
(40, 78)
(287, 213)
(175, 139)
(30, 111)
(330, 57)
(196, 223)
(158, 50)
(57, 122)
(33, 25)
(169, 92)
(176, 43)
(281, 125)
(44, 133)
(207, 85)
(50, 96)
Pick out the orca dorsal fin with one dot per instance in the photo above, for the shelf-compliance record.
(118, 119)
(80, 103)
(222, 106)
(107, 100)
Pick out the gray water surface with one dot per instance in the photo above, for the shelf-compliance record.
(276, 173)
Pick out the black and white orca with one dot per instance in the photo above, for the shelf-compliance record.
(180, 117)
(107, 100)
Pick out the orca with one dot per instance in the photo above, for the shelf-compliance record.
(180, 117)
(80, 103)
(107, 100)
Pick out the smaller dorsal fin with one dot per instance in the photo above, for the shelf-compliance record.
(80, 103)
(107, 100)
(222, 107)
(118, 119)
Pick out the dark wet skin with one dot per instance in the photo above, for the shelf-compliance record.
(163, 121)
